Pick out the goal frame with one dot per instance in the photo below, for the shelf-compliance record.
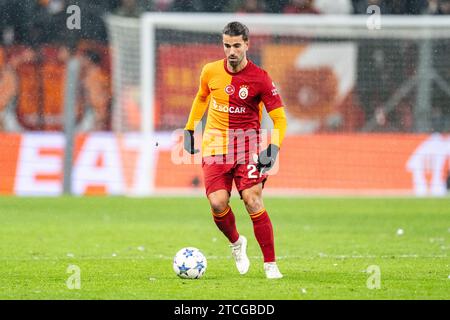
(337, 26)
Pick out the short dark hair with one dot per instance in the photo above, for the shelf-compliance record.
(235, 28)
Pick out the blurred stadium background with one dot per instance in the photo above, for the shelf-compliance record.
(368, 110)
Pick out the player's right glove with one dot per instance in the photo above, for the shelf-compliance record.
(189, 142)
(267, 158)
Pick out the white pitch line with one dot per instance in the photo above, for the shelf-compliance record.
(324, 256)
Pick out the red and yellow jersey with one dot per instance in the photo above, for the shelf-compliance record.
(234, 102)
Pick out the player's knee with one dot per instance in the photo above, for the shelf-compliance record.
(219, 201)
(253, 203)
(218, 205)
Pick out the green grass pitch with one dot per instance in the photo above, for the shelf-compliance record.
(124, 249)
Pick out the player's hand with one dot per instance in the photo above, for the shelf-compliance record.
(267, 158)
(189, 142)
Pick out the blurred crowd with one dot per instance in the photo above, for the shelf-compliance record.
(42, 21)
(35, 46)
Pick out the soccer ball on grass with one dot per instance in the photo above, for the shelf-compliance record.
(189, 263)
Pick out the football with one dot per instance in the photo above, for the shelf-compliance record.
(189, 263)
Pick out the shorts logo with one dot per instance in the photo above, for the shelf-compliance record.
(229, 89)
(243, 92)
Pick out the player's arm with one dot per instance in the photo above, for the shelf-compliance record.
(267, 157)
(198, 109)
(274, 107)
(278, 117)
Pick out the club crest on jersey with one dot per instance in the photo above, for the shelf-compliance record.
(229, 89)
(243, 92)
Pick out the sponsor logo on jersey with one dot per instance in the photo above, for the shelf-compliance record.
(226, 108)
(274, 89)
(229, 89)
(243, 92)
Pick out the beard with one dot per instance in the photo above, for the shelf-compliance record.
(234, 62)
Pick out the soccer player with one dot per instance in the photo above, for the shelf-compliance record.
(233, 90)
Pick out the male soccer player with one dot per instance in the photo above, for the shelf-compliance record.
(233, 90)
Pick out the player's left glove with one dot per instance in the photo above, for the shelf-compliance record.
(267, 158)
(189, 142)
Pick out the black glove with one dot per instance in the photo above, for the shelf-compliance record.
(267, 158)
(189, 142)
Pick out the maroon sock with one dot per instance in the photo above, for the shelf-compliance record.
(262, 227)
(225, 221)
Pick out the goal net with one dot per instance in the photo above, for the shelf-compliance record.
(335, 73)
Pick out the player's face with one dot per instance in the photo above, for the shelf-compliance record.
(235, 49)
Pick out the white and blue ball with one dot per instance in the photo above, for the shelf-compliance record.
(189, 263)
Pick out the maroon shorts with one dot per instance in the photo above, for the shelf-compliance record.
(219, 175)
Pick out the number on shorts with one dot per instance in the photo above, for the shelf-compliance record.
(252, 169)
